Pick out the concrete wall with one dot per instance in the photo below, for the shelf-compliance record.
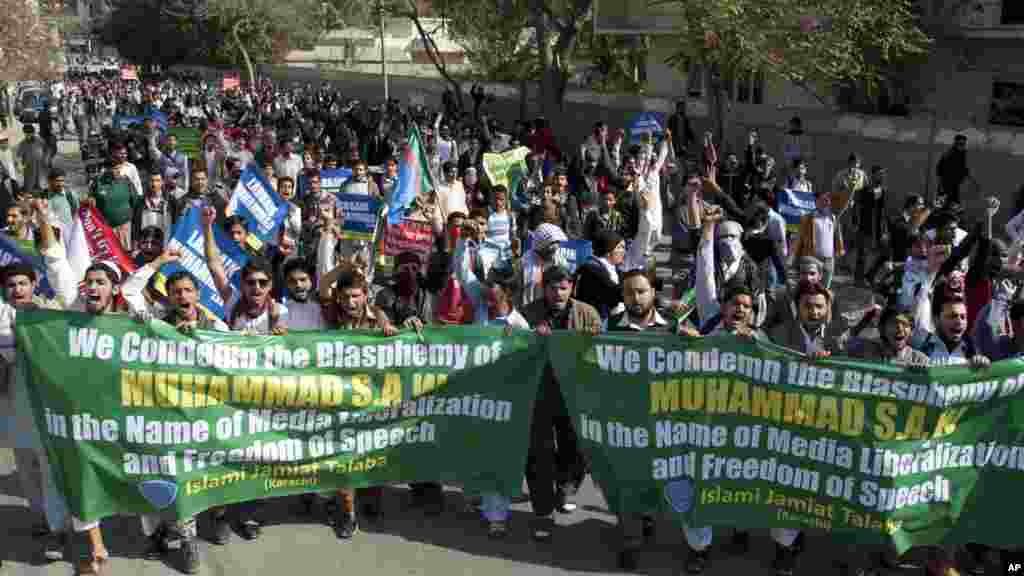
(907, 147)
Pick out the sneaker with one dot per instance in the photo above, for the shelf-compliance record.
(156, 547)
(54, 547)
(345, 525)
(740, 542)
(564, 496)
(248, 529)
(627, 560)
(543, 528)
(434, 504)
(497, 530)
(785, 560)
(189, 556)
(697, 561)
(221, 530)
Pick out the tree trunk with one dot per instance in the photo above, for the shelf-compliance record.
(716, 92)
(435, 57)
(245, 53)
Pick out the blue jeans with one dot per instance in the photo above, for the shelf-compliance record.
(495, 507)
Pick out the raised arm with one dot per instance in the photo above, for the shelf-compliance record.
(213, 256)
(706, 288)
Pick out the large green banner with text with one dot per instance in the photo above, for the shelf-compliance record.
(722, 431)
(138, 418)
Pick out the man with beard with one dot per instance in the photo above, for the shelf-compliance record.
(361, 183)
(149, 245)
(640, 315)
(782, 305)
(553, 476)
(949, 344)
(304, 310)
(253, 311)
(198, 194)
(731, 265)
(353, 312)
(19, 223)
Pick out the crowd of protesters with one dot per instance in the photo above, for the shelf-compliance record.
(947, 287)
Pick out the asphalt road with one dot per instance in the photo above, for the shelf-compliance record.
(403, 541)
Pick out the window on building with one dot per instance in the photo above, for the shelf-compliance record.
(1007, 105)
(1013, 13)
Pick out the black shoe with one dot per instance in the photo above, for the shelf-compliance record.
(157, 546)
(434, 505)
(543, 528)
(370, 510)
(785, 560)
(417, 497)
(248, 529)
(627, 560)
(40, 531)
(697, 562)
(189, 556)
(55, 547)
(563, 497)
(740, 542)
(309, 504)
(345, 525)
(648, 529)
(221, 530)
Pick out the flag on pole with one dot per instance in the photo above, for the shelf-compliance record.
(413, 178)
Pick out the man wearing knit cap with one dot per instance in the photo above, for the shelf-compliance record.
(547, 468)
(544, 253)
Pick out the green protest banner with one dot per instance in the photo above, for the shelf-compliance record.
(138, 418)
(722, 431)
(506, 168)
(189, 142)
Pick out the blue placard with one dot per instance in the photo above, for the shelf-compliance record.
(12, 251)
(333, 180)
(360, 216)
(123, 122)
(793, 205)
(188, 239)
(574, 252)
(646, 123)
(256, 201)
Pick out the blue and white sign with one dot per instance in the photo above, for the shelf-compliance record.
(256, 201)
(189, 240)
(646, 123)
(360, 214)
(793, 205)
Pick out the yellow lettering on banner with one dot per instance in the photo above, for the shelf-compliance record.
(217, 393)
(664, 396)
(718, 395)
(423, 384)
(332, 391)
(853, 417)
(362, 394)
(277, 395)
(199, 386)
(948, 421)
(166, 390)
(391, 391)
(248, 389)
(692, 392)
(767, 404)
(136, 388)
(828, 414)
(309, 392)
(739, 401)
(913, 429)
(800, 409)
(885, 420)
(187, 385)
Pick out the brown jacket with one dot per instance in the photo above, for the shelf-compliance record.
(583, 317)
(806, 243)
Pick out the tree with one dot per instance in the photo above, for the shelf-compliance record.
(558, 24)
(30, 44)
(130, 28)
(815, 44)
(268, 29)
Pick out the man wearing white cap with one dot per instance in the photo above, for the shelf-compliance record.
(544, 253)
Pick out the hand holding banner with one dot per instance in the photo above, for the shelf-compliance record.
(262, 208)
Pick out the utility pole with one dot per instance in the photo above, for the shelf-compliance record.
(383, 54)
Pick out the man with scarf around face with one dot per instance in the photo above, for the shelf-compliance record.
(251, 310)
(548, 467)
(732, 265)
